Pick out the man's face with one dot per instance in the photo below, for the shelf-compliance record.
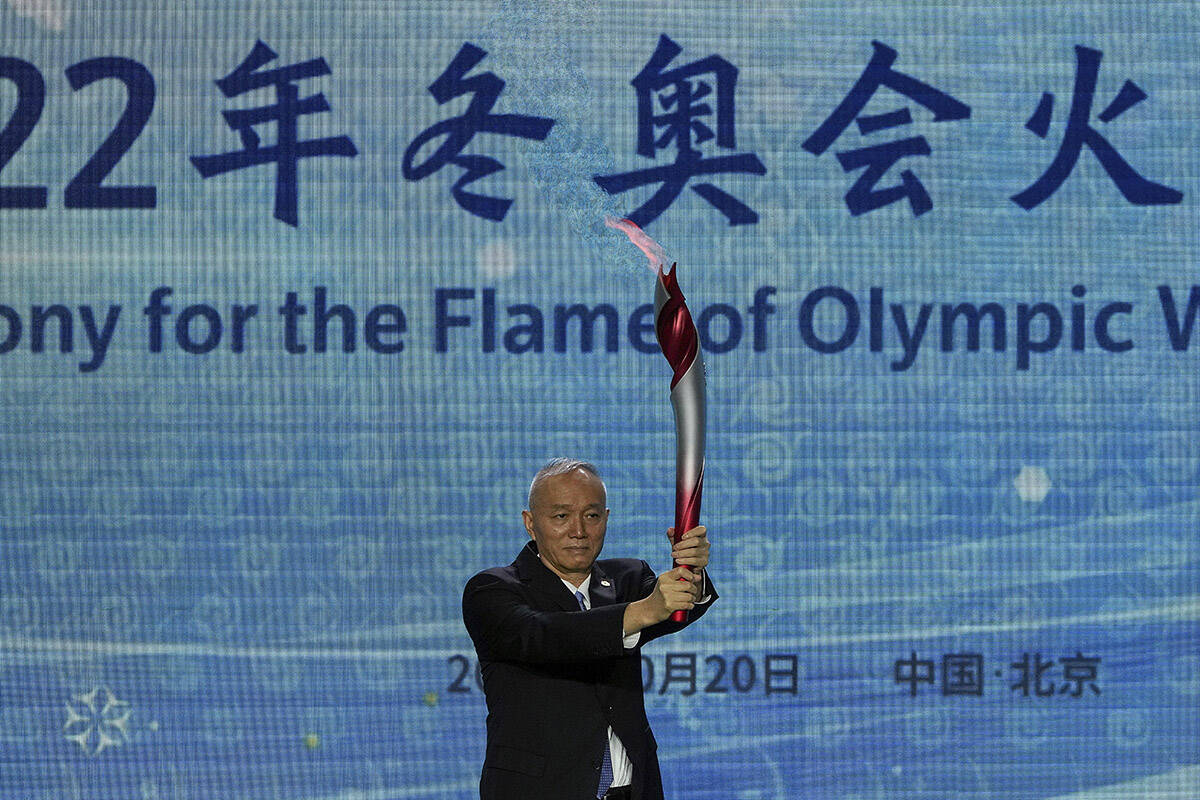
(567, 520)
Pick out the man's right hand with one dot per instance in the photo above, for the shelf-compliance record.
(675, 590)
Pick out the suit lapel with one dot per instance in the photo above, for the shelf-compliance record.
(538, 576)
(603, 590)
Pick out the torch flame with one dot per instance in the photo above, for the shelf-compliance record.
(654, 251)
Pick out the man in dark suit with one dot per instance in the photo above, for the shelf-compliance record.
(558, 634)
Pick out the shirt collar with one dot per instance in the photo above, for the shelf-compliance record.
(582, 589)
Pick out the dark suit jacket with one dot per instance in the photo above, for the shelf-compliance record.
(556, 677)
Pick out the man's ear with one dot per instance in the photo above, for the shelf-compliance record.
(527, 518)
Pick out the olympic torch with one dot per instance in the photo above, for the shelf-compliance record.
(681, 346)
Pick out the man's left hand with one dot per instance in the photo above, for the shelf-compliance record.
(692, 549)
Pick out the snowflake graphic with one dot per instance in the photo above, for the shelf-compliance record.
(97, 720)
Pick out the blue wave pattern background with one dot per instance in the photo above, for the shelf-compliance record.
(237, 574)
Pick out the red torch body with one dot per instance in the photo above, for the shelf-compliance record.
(681, 346)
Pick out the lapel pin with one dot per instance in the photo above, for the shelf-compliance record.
(605, 583)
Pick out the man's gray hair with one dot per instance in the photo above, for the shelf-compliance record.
(560, 466)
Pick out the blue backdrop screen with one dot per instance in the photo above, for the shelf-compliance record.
(295, 297)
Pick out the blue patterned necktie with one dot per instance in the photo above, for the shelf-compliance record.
(606, 772)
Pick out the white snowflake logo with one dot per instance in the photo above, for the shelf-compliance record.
(97, 720)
